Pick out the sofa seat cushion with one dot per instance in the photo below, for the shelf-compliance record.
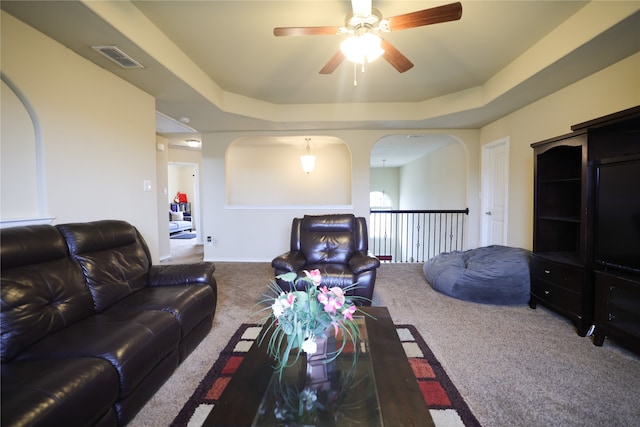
(134, 343)
(190, 304)
(62, 392)
(176, 226)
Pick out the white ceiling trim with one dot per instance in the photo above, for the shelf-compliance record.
(127, 19)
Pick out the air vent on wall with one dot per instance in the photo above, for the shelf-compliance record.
(117, 56)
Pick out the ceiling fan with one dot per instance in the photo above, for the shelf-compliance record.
(365, 22)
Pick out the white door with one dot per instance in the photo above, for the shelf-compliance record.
(495, 186)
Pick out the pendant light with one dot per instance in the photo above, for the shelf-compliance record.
(308, 160)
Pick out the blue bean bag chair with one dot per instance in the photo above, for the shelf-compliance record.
(490, 275)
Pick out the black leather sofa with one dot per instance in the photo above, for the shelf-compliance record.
(335, 244)
(90, 328)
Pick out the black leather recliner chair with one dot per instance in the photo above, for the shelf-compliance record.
(337, 245)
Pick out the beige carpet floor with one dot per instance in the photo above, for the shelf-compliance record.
(513, 365)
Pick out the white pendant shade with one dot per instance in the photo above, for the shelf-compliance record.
(308, 162)
(361, 48)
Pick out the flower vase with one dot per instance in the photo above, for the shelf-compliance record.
(321, 350)
(316, 362)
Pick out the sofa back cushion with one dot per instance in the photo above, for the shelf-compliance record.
(42, 288)
(328, 239)
(113, 256)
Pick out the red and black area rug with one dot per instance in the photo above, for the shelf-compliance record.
(446, 405)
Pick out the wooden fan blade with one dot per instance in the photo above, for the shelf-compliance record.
(305, 31)
(333, 63)
(395, 57)
(434, 15)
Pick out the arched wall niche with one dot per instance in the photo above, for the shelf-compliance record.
(265, 171)
(22, 190)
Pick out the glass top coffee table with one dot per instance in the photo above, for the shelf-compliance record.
(378, 390)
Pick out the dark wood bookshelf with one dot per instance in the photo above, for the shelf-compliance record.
(564, 275)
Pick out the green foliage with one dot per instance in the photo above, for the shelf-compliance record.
(298, 317)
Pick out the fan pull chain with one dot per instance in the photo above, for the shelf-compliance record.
(355, 74)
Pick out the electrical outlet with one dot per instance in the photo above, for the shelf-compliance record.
(209, 241)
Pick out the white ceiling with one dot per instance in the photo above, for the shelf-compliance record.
(218, 63)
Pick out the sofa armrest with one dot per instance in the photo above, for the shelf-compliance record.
(361, 262)
(182, 274)
(290, 261)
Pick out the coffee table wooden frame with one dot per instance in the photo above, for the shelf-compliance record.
(401, 401)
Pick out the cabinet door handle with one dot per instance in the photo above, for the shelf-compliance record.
(546, 292)
(488, 213)
(547, 271)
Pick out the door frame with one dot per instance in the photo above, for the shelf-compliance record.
(195, 203)
(485, 176)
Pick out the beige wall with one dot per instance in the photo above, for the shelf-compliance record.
(181, 179)
(259, 233)
(21, 179)
(435, 181)
(162, 192)
(268, 173)
(612, 89)
(94, 157)
(387, 180)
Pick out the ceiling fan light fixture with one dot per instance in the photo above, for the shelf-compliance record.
(362, 48)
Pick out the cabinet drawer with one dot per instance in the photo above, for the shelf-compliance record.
(618, 302)
(561, 275)
(558, 296)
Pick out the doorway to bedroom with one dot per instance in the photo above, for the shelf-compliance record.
(183, 191)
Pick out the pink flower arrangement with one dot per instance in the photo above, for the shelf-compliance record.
(299, 317)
